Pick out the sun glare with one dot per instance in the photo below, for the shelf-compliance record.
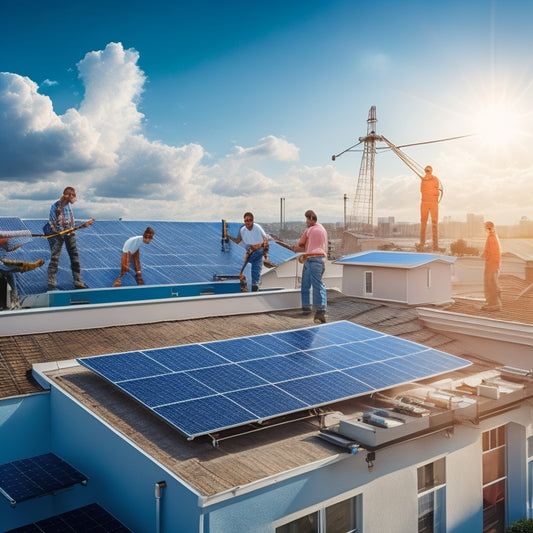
(497, 124)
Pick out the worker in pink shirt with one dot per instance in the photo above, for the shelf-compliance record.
(314, 244)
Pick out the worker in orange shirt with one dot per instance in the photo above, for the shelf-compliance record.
(492, 254)
(429, 205)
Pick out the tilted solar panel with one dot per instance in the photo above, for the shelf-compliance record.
(29, 478)
(91, 518)
(209, 387)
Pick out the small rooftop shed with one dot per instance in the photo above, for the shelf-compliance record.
(403, 277)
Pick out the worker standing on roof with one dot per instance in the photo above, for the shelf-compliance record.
(256, 243)
(130, 251)
(314, 244)
(492, 254)
(429, 205)
(61, 219)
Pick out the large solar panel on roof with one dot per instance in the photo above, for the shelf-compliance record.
(29, 478)
(91, 518)
(180, 253)
(208, 387)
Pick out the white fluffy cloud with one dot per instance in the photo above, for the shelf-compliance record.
(269, 147)
(101, 149)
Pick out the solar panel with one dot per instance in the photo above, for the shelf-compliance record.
(209, 387)
(89, 518)
(181, 252)
(29, 478)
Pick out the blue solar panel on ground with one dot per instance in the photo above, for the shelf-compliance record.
(29, 478)
(209, 387)
(181, 252)
(91, 518)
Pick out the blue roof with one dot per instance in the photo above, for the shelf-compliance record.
(181, 252)
(393, 259)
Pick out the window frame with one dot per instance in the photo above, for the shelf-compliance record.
(368, 281)
(321, 508)
(491, 441)
(438, 490)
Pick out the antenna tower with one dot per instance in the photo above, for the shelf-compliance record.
(362, 216)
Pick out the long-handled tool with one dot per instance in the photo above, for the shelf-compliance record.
(224, 242)
(65, 231)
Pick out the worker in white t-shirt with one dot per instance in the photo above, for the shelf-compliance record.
(130, 251)
(255, 241)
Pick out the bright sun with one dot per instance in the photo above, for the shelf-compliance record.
(497, 124)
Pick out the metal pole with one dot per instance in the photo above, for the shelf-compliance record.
(345, 200)
(159, 486)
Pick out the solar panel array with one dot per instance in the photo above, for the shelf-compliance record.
(180, 253)
(91, 518)
(209, 387)
(29, 478)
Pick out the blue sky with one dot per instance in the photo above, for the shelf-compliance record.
(201, 111)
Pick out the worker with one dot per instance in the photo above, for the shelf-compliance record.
(61, 219)
(429, 205)
(492, 254)
(9, 268)
(130, 251)
(255, 241)
(314, 244)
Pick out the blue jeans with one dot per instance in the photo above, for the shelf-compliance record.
(256, 260)
(312, 277)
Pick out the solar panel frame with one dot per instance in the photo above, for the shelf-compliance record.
(246, 380)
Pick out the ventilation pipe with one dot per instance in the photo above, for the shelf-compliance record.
(159, 486)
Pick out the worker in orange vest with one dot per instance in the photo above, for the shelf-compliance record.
(429, 205)
(492, 254)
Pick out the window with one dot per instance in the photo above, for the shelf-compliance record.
(432, 497)
(369, 282)
(530, 477)
(494, 480)
(340, 517)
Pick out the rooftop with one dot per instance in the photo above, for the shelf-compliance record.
(261, 451)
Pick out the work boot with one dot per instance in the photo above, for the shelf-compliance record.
(52, 283)
(80, 285)
(268, 263)
(495, 307)
(306, 310)
(320, 317)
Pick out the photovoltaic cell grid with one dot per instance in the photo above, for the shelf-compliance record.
(29, 478)
(208, 387)
(91, 518)
(181, 252)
